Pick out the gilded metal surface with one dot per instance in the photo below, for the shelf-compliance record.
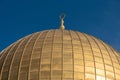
(59, 55)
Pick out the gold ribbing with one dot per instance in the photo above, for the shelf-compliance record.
(34, 39)
(13, 59)
(28, 38)
(102, 56)
(108, 51)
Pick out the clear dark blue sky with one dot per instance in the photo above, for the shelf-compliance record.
(100, 18)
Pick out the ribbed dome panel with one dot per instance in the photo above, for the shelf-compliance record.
(59, 55)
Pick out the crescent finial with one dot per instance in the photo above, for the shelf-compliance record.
(62, 27)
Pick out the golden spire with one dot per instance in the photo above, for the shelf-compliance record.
(62, 27)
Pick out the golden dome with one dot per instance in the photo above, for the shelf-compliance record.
(59, 55)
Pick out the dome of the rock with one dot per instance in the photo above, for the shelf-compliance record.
(59, 55)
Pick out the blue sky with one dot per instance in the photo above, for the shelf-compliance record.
(100, 18)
